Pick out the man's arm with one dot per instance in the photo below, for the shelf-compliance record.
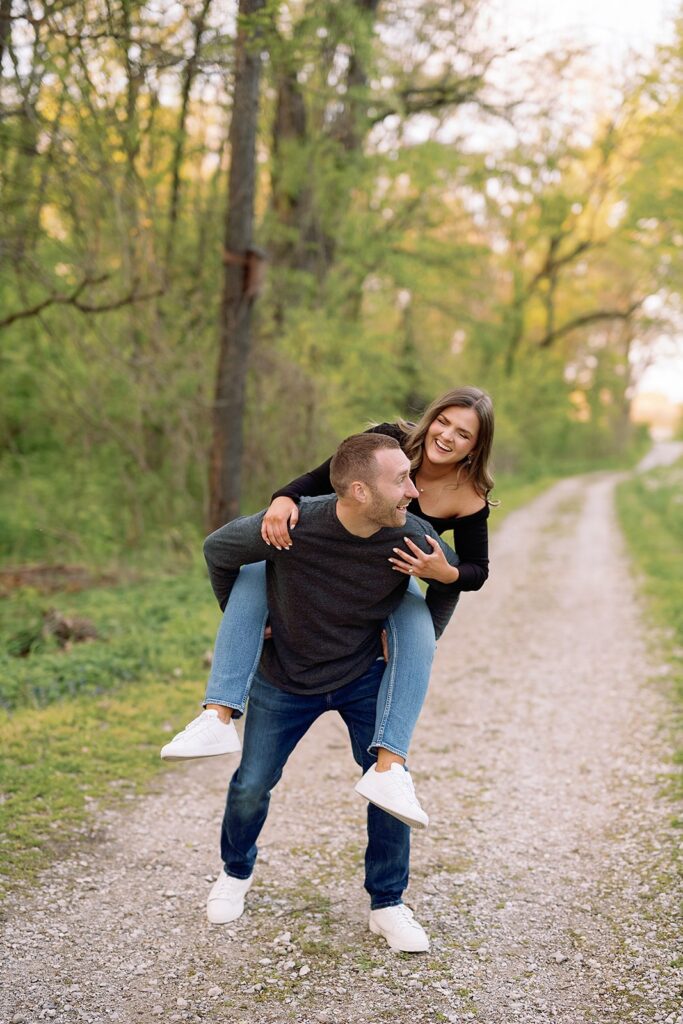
(233, 545)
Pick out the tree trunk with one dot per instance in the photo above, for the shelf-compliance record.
(234, 334)
(5, 27)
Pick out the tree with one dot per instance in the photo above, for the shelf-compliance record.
(240, 267)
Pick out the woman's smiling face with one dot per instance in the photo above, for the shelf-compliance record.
(451, 435)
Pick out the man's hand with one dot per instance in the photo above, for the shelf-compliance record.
(415, 562)
(385, 645)
(274, 526)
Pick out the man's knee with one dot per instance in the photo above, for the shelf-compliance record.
(249, 789)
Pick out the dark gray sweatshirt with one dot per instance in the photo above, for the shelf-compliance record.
(328, 595)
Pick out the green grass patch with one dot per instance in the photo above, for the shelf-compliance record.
(55, 761)
(157, 626)
(87, 724)
(650, 509)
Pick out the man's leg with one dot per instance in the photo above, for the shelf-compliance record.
(275, 723)
(387, 856)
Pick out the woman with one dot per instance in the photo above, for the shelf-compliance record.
(449, 449)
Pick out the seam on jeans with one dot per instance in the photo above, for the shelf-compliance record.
(391, 668)
(249, 678)
(255, 664)
(383, 906)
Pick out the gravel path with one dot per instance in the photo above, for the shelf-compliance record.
(546, 879)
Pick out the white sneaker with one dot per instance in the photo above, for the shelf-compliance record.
(225, 902)
(394, 792)
(205, 736)
(398, 926)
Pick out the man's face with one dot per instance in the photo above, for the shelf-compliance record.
(392, 489)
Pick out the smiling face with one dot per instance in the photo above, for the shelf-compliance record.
(391, 491)
(451, 436)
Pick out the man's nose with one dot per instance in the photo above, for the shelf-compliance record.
(412, 491)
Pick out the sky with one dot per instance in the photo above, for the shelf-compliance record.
(615, 29)
(614, 26)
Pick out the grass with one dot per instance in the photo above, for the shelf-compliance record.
(87, 724)
(650, 509)
(81, 728)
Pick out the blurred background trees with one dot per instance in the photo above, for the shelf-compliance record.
(429, 220)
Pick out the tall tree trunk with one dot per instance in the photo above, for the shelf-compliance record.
(234, 332)
(5, 27)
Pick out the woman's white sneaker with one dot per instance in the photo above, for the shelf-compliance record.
(398, 926)
(205, 736)
(393, 792)
(225, 902)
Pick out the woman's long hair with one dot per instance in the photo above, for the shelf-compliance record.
(475, 467)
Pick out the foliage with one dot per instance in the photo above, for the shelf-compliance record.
(404, 257)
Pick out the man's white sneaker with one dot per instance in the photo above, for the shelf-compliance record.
(398, 926)
(205, 736)
(225, 902)
(394, 792)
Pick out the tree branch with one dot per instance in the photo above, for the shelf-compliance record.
(589, 318)
(73, 299)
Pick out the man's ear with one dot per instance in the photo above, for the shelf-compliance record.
(359, 492)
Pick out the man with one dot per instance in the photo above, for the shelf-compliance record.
(328, 597)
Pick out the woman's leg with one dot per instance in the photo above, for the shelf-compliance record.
(410, 635)
(411, 641)
(239, 641)
(237, 653)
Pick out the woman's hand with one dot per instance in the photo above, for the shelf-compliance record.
(274, 526)
(434, 566)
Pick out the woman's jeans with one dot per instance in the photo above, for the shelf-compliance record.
(410, 633)
(275, 724)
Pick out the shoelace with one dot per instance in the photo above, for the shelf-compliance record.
(407, 915)
(407, 783)
(223, 885)
(194, 724)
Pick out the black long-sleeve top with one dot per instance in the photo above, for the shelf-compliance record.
(470, 533)
(328, 595)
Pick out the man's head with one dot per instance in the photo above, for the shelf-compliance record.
(371, 477)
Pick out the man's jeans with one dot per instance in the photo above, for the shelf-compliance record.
(275, 723)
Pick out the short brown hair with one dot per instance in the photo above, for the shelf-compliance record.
(355, 459)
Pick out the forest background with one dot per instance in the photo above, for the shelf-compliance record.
(406, 253)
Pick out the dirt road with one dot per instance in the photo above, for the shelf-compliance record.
(546, 879)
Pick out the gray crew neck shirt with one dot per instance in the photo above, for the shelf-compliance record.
(328, 595)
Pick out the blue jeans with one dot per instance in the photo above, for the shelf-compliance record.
(275, 724)
(410, 632)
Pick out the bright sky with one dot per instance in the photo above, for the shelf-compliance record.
(613, 26)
